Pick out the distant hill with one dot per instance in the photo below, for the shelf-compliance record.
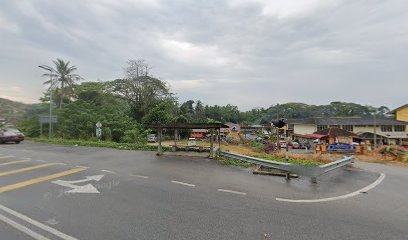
(12, 111)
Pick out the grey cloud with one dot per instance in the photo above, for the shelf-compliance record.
(233, 52)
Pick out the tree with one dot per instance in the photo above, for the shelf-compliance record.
(64, 78)
(141, 90)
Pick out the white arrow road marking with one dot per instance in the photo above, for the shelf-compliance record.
(88, 188)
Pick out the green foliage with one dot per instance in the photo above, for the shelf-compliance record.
(136, 135)
(160, 114)
(123, 146)
(256, 145)
(394, 151)
(234, 162)
(107, 134)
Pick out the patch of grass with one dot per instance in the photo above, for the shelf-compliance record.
(234, 162)
(105, 144)
(290, 160)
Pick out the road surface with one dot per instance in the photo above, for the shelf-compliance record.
(67, 192)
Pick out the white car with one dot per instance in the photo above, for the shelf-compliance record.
(191, 142)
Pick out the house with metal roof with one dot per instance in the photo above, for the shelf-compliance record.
(401, 114)
(387, 130)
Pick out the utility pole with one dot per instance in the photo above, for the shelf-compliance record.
(45, 67)
(375, 129)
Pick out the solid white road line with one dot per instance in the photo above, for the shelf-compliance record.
(40, 160)
(183, 183)
(22, 228)
(80, 166)
(139, 176)
(27, 158)
(37, 224)
(363, 190)
(231, 191)
(8, 156)
(103, 170)
(61, 163)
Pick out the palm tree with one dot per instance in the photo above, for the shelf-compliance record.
(64, 80)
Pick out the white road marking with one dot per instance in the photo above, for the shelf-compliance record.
(183, 183)
(88, 188)
(37, 224)
(60, 163)
(22, 228)
(363, 190)
(231, 191)
(8, 156)
(103, 170)
(80, 166)
(41, 161)
(27, 158)
(139, 176)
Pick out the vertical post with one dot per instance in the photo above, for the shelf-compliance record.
(212, 143)
(50, 120)
(159, 148)
(375, 130)
(41, 129)
(175, 137)
(287, 151)
(219, 139)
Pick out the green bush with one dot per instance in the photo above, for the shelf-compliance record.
(124, 146)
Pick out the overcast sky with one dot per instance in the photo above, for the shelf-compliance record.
(250, 53)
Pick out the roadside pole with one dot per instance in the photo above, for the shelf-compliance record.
(212, 143)
(160, 150)
(287, 151)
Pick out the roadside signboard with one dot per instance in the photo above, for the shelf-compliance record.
(98, 129)
(46, 119)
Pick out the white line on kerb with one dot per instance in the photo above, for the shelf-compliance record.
(103, 170)
(363, 190)
(231, 191)
(22, 228)
(37, 224)
(139, 176)
(183, 183)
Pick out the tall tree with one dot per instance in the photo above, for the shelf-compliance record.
(63, 80)
(140, 89)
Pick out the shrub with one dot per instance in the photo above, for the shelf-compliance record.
(396, 152)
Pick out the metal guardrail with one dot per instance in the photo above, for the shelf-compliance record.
(304, 170)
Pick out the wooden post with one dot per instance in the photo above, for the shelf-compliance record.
(212, 143)
(159, 148)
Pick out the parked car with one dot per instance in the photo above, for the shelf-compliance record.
(192, 142)
(11, 135)
(282, 144)
(152, 138)
(294, 145)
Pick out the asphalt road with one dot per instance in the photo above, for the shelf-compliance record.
(61, 192)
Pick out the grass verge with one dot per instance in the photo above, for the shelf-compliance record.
(123, 146)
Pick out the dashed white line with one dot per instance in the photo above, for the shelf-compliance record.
(27, 158)
(231, 191)
(183, 183)
(363, 190)
(61, 163)
(41, 161)
(139, 176)
(103, 170)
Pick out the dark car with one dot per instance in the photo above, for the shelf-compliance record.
(11, 135)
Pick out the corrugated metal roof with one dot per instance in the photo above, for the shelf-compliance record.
(346, 121)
